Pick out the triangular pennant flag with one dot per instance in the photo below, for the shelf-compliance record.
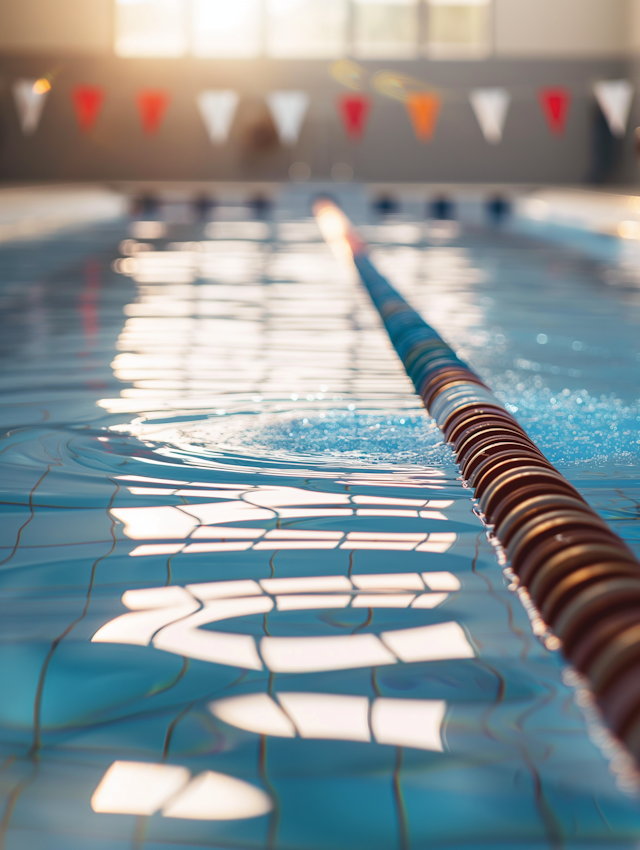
(30, 97)
(354, 111)
(88, 103)
(423, 109)
(555, 106)
(491, 107)
(288, 109)
(614, 98)
(218, 108)
(152, 104)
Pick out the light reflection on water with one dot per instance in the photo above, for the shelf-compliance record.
(249, 602)
(362, 439)
(547, 323)
(555, 335)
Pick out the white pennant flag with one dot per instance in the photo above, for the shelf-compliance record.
(218, 108)
(491, 107)
(30, 97)
(288, 109)
(614, 98)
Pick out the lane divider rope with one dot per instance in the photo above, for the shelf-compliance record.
(582, 578)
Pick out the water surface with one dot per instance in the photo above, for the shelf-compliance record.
(220, 403)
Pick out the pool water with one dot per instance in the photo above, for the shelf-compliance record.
(246, 600)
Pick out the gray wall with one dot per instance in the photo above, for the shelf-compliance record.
(118, 150)
(535, 43)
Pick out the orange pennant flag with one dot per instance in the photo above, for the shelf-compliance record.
(424, 110)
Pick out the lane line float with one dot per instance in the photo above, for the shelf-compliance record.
(582, 578)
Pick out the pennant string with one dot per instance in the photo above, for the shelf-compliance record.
(289, 108)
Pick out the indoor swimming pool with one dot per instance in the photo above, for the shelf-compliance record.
(247, 601)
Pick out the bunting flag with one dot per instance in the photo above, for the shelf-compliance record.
(288, 109)
(555, 105)
(614, 98)
(424, 110)
(354, 111)
(87, 101)
(30, 97)
(152, 104)
(491, 107)
(218, 109)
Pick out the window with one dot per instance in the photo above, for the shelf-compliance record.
(226, 28)
(458, 29)
(306, 29)
(385, 28)
(150, 28)
(303, 29)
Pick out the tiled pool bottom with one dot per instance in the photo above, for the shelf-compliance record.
(246, 602)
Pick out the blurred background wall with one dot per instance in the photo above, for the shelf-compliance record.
(452, 46)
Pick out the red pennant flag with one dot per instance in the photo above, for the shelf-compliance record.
(88, 103)
(152, 104)
(555, 105)
(423, 109)
(354, 111)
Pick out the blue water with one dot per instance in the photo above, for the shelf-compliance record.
(222, 405)
(555, 334)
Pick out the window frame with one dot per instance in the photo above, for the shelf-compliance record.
(192, 24)
(413, 50)
(423, 47)
(119, 38)
(459, 51)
